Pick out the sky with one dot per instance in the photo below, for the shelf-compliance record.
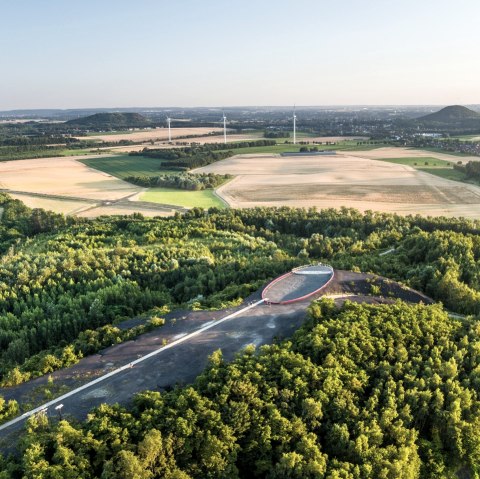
(119, 53)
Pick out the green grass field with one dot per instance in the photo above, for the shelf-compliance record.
(125, 165)
(172, 196)
(466, 137)
(441, 168)
(419, 162)
(439, 150)
(447, 173)
(82, 151)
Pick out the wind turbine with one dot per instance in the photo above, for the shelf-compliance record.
(224, 128)
(294, 126)
(169, 121)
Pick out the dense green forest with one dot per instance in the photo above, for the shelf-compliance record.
(368, 391)
(111, 121)
(64, 279)
(86, 275)
(186, 158)
(389, 391)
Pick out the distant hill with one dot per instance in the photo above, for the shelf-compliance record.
(111, 120)
(451, 115)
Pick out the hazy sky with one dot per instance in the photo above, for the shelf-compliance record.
(120, 53)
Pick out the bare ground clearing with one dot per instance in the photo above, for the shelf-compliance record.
(350, 180)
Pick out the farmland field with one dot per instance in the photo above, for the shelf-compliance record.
(447, 173)
(466, 137)
(62, 176)
(79, 152)
(87, 186)
(68, 186)
(346, 179)
(65, 206)
(439, 164)
(402, 152)
(416, 161)
(346, 145)
(434, 166)
(231, 138)
(189, 199)
(152, 134)
(125, 165)
(341, 143)
(452, 153)
(120, 132)
(7, 154)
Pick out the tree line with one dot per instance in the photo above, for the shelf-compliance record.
(276, 134)
(184, 181)
(470, 169)
(198, 155)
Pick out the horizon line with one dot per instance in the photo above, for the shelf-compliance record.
(333, 105)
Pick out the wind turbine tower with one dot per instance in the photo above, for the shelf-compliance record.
(224, 128)
(169, 121)
(294, 127)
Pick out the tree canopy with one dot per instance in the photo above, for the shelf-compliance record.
(365, 391)
(384, 391)
(64, 280)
